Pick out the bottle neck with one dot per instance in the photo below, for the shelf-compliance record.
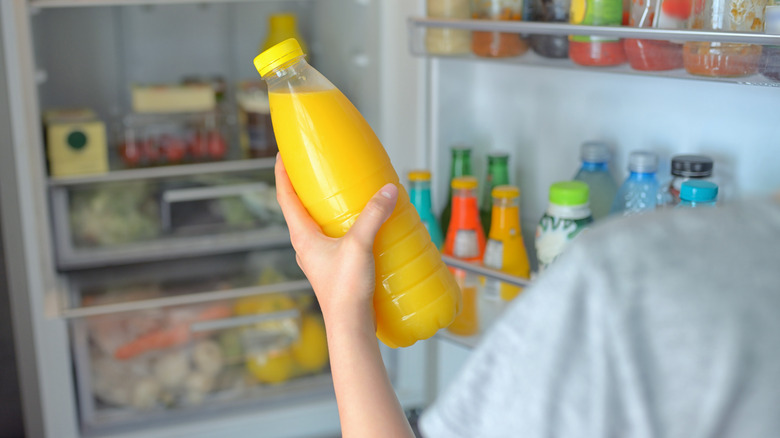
(594, 167)
(420, 194)
(641, 176)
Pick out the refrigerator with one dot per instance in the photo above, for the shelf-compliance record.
(206, 238)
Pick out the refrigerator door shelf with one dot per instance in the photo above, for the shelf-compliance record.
(753, 42)
(108, 223)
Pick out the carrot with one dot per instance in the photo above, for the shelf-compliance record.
(170, 336)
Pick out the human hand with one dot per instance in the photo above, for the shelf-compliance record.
(341, 270)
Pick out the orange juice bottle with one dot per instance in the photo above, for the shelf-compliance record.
(336, 164)
(466, 241)
(505, 249)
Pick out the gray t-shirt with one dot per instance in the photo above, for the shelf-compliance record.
(661, 325)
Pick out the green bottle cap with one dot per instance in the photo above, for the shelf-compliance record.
(569, 193)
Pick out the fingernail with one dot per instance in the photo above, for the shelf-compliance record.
(277, 156)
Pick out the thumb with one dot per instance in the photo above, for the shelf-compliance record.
(375, 213)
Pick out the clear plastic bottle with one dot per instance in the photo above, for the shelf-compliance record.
(566, 216)
(336, 164)
(466, 241)
(640, 191)
(420, 194)
(594, 172)
(684, 168)
(497, 175)
(698, 193)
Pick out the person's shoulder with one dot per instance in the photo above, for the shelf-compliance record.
(675, 229)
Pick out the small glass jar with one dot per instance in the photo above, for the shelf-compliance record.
(687, 167)
(498, 44)
(550, 11)
(445, 40)
(719, 59)
(656, 55)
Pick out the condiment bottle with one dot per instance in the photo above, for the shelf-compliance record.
(283, 26)
(550, 11)
(497, 175)
(566, 216)
(505, 249)
(336, 164)
(656, 55)
(459, 166)
(594, 172)
(498, 44)
(466, 241)
(698, 193)
(446, 40)
(725, 59)
(684, 168)
(420, 194)
(596, 50)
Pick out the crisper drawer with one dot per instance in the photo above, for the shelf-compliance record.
(258, 342)
(111, 222)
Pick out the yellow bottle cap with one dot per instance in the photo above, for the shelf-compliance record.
(464, 182)
(506, 192)
(277, 56)
(419, 175)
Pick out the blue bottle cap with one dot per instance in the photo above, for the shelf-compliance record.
(698, 191)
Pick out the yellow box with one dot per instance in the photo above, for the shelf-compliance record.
(75, 142)
(173, 98)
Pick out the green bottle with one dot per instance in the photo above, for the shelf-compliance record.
(461, 166)
(497, 175)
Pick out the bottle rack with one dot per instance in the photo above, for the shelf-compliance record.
(418, 25)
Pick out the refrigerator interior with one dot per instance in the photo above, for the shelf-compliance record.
(88, 54)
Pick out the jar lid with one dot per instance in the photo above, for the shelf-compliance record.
(697, 190)
(277, 56)
(419, 175)
(506, 192)
(464, 182)
(696, 166)
(569, 193)
(594, 152)
(642, 162)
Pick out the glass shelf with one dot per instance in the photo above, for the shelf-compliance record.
(771, 61)
(86, 3)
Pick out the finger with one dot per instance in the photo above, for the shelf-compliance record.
(295, 214)
(375, 213)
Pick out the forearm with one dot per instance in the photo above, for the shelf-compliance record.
(367, 402)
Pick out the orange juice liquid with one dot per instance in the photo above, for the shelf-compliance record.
(336, 164)
(505, 228)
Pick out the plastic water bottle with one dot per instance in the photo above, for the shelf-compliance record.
(420, 194)
(698, 193)
(336, 164)
(594, 172)
(639, 192)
